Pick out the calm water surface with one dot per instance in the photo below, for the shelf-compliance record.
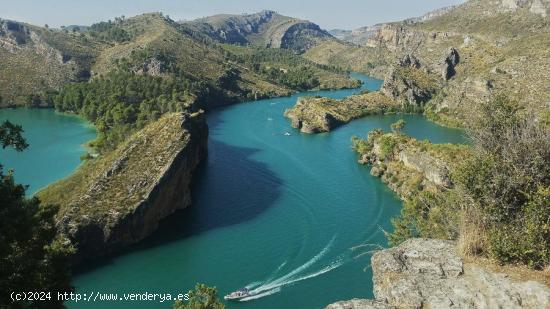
(55, 146)
(291, 217)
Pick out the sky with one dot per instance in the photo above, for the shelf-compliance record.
(334, 14)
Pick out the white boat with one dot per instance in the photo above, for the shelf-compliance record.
(287, 134)
(242, 293)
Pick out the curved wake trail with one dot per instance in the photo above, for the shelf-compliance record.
(332, 266)
(284, 280)
(277, 287)
(271, 276)
(253, 284)
(264, 294)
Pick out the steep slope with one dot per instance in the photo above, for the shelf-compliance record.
(266, 28)
(36, 61)
(357, 36)
(119, 198)
(470, 52)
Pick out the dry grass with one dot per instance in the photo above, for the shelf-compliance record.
(472, 238)
(515, 272)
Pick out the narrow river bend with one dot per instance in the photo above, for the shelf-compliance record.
(283, 215)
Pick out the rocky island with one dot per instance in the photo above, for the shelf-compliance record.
(315, 115)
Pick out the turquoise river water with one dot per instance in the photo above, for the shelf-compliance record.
(56, 142)
(293, 218)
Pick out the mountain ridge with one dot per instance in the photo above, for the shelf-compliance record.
(35, 60)
(266, 28)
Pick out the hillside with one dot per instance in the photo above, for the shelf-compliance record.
(119, 198)
(265, 29)
(34, 59)
(471, 52)
(37, 61)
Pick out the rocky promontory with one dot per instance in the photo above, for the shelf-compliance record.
(119, 198)
(429, 273)
(408, 165)
(318, 114)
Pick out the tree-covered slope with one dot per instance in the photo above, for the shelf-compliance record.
(37, 61)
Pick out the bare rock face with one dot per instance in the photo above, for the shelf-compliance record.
(16, 37)
(538, 7)
(266, 28)
(410, 61)
(401, 88)
(119, 199)
(433, 169)
(359, 304)
(152, 67)
(451, 60)
(428, 273)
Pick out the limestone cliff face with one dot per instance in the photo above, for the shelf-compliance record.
(539, 7)
(470, 52)
(407, 165)
(428, 273)
(118, 200)
(266, 28)
(433, 169)
(29, 64)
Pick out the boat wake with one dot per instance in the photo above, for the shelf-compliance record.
(264, 294)
(273, 285)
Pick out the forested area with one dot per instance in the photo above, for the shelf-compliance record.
(32, 257)
(122, 101)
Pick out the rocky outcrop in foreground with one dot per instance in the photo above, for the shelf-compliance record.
(428, 273)
(119, 199)
(316, 114)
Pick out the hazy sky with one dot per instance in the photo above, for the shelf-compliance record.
(346, 14)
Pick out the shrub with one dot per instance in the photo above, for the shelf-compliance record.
(360, 145)
(508, 181)
(387, 145)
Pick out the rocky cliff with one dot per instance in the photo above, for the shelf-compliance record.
(119, 198)
(29, 64)
(427, 273)
(468, 54)
(315, 115)
(266, 28)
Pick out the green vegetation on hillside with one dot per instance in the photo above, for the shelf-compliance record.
(109, 31)
(31, 256)
(508, 182)
(498, 202)
(285, 67)
(121, 102)
(151, 44)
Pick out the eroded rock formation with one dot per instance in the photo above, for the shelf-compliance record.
(428, 273)
(119, 199)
